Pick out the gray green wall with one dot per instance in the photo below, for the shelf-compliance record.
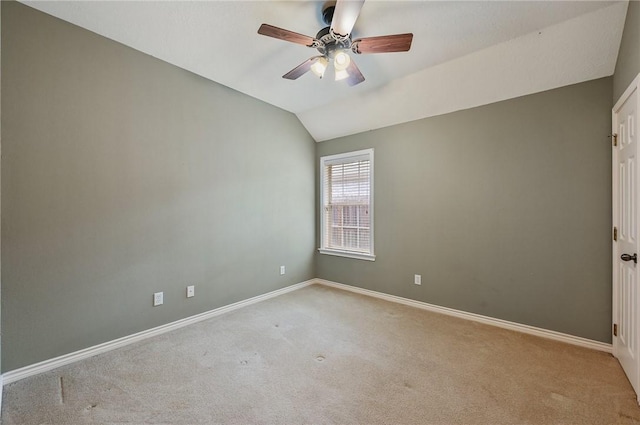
(504, 209)
(628, 65)
(122, 176)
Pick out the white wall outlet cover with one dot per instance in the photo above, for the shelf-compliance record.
(191, 291)
(417, 279)
(282, 270)
(158, 298)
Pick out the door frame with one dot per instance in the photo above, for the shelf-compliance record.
(635, 85)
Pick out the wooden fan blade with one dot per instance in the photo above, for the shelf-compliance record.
(301, 69)
(345, 16)
(355, 76)
(286, 35)
(383, 44)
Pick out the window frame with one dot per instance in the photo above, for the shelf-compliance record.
(344, 158)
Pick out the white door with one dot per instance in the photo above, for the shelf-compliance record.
(625, 220)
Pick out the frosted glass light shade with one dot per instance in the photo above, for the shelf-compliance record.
(341, 61)
(320, 66)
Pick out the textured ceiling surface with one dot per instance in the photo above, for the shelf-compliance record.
(464, 54)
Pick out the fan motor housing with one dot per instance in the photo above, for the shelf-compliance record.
(329, 45)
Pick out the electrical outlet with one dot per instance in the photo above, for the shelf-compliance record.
(191, 291)
(282, 270)
(417, 279)
(158, 299)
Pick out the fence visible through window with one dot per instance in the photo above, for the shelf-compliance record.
(346, 196)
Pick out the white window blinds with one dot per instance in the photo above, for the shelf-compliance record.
(347, 208)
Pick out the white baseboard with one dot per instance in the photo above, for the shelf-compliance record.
(47, 365)
(531, 330)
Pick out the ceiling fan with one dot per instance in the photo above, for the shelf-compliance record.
(334, 41)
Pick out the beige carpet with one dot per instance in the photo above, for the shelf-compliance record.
(320, 356)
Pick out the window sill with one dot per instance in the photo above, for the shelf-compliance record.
(348, 254)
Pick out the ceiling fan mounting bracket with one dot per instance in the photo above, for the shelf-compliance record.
(327, 12)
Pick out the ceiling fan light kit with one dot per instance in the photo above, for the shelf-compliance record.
(320, 66)
(334, 42)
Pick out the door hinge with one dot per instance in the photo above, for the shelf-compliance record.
(615, 329)
(614, 137)
(615, 234)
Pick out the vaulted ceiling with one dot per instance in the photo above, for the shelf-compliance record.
(464, 54)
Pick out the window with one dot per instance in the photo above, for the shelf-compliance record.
(346, 187)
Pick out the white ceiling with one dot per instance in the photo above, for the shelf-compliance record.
(464, 54)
